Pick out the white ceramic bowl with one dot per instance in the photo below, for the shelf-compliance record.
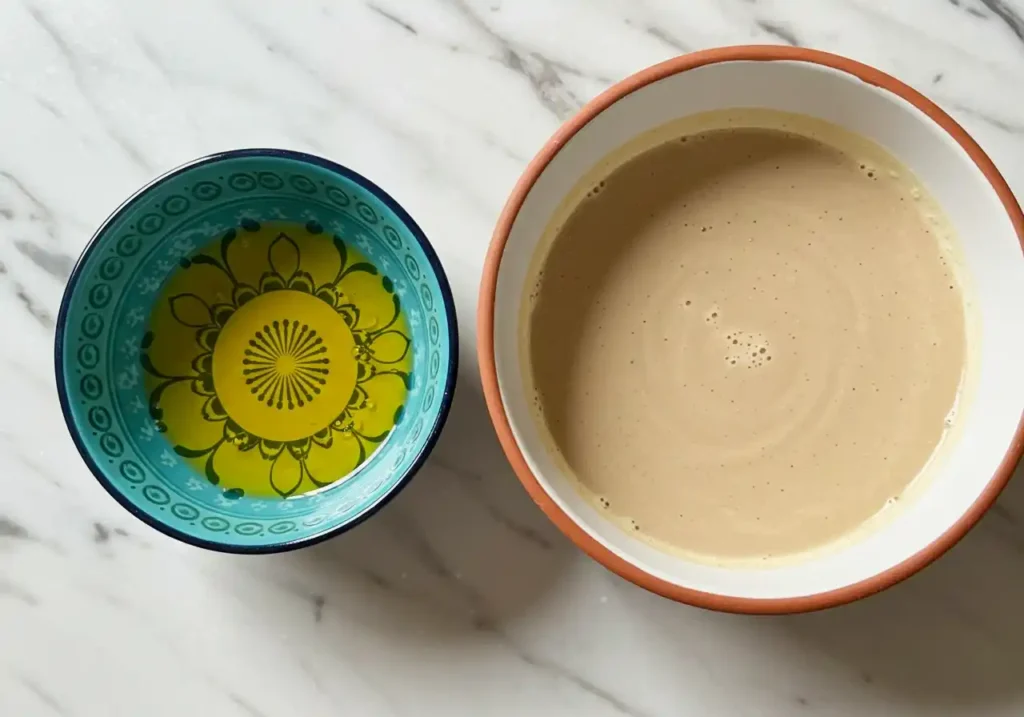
(951, 167)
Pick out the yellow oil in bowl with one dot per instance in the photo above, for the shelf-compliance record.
(277, 359)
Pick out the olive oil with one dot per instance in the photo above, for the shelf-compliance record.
(277, 359)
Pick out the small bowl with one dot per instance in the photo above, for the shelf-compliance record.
(957, 174)
(109, 384)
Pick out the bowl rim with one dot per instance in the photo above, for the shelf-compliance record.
(489, 376)
(450, 376)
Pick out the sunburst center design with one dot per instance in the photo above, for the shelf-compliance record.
(285, 364)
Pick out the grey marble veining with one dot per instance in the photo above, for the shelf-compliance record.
(459, 598)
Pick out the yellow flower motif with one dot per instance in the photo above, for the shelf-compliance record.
(269, 404)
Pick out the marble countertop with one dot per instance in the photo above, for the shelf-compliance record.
(459, 598)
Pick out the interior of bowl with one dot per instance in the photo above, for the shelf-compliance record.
(994, 265)
(112, 388)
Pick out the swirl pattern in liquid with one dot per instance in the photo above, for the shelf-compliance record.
(746, 342)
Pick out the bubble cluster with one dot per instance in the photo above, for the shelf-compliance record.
(711, 316)
(869, 171)
(748, 349)
(595, 190)
(950, 418)
(538, 284)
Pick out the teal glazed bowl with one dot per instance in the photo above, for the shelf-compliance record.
(105, 377)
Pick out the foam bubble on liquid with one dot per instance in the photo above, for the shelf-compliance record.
(594, 191)
(950, 418)
(712, 315)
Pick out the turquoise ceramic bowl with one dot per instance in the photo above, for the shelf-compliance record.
(102, 332)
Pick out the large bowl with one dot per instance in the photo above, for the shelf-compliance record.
(958, 175)
(102, 343)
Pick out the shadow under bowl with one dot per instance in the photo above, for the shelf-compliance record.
(336, 227)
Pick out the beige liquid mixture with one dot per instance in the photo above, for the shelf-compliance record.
(746, 342)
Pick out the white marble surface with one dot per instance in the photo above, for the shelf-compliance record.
(459, 598)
